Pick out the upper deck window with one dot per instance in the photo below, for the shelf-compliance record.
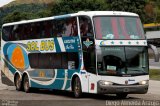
(86, 28)
(119, 27)
(44, 29)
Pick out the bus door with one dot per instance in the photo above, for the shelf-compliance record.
(88, 48)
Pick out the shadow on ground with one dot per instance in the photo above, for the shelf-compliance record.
(68, 94)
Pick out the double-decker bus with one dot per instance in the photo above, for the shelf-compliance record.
(102, 52)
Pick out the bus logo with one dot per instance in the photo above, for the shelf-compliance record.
(87, 43)
(126, 82)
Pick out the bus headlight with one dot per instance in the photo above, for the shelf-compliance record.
(105, 83)
(143, 82)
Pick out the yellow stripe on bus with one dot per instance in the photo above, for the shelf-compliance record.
(151, 25)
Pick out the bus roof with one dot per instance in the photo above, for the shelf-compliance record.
(88, 13)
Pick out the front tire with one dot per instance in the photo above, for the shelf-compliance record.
(77, 88)
(26, 84)
(18, 83)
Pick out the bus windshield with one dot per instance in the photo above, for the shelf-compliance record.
(122, 61)
(118, 27)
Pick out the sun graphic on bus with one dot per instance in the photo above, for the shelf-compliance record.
(17, 58)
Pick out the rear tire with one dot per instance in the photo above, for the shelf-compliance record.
(77, 88)
(18, 83)
(26, 84)
(121, 95)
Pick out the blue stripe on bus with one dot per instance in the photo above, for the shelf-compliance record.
(71, 72)
(57, 84)
(71, 44)
(10, 67)
(58, 49)
(68, 84)
(26, 60)
(5, 47)
(60, 73)
(10, 50)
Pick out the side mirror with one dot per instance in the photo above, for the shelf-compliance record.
(156, 53)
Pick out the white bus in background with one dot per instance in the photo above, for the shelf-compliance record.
(152, 32)
(101, 52)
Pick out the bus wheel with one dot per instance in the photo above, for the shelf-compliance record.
(18, 83)
(26, 84)
(77, 88)
(121, 95)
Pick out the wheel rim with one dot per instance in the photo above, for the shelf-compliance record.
(18, 82)
(26, 84)
(77, 87)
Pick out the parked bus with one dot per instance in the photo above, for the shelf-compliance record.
(153, 33)
(101, 52)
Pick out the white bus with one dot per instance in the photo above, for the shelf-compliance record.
(101, 52)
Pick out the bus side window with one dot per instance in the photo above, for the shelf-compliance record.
(21, 34)
(54, 60)
(48, 28)
(33, 60)
(57, 64)
(28, 31)
(64, 60)
(16, 32)
(54, 30)
(7, 33)
(85, 26)
(74, 59)
(24, 32)
(37, 30)
(70, 27)
(65, 27)
(58, 28)
(44, 60)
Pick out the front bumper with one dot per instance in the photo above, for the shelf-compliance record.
(129, 89)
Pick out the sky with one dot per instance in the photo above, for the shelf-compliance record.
(4, 2)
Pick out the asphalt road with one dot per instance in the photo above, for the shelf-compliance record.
(59, 98)
(154, 65)
(10, 97)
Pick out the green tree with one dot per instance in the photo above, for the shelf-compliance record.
(13, 17)
(136, 6)
(18, 16)
(152, 10)
(71, 6)
(44, 13)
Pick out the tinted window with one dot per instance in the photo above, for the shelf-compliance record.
(86, 28)
(54, 60)
(65, 27)
(44, 29)
(7, 33)
(109, 27)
